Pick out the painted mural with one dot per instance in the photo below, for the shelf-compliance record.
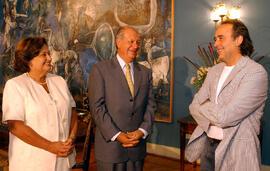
(81, 32)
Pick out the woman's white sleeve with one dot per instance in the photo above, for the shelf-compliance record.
(13, 102)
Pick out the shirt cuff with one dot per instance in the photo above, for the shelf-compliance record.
(145, 133)
(115, 136)
(215, 132)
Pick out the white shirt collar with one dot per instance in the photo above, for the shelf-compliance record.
(123, 63)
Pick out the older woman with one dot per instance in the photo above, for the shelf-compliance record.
(40, 112)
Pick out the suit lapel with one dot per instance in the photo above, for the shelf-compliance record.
(137, 78)
(242, 62)
(120, 76)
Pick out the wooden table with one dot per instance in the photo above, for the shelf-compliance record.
(3, 163)
(187, 126)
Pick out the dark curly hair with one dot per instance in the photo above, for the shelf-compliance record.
(26, 50)
(239, 28)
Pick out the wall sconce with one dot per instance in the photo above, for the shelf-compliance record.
(220, 11)
(234, 13)
(215, 16)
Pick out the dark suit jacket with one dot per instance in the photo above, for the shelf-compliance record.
(113, 109)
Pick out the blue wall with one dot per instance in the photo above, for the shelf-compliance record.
(192, 28)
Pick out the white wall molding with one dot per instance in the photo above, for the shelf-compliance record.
(162, 150)
(174, 153)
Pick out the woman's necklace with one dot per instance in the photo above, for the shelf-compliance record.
(43, 83)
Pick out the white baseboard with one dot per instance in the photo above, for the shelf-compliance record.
(174, 153)
(163, 150)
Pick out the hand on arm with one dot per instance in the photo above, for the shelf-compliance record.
(73, 127)
(211, 124)
(61, 149)
(70, 143)
(28, 135)
(136, 135)
(126, 140)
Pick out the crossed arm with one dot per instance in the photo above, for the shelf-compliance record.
(251, 94)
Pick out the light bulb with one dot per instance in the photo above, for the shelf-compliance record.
(234, 13)
(214, 15)
(221, 9)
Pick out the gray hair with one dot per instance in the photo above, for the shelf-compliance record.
(121, 31)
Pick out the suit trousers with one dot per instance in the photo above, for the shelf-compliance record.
(125, 166)
(208, 155)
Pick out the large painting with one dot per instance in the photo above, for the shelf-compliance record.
(82, 32)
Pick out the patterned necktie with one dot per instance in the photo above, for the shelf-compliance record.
(129, 80)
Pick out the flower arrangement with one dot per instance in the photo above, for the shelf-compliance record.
(210, 58)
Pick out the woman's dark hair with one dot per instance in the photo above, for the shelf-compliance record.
(239, 28)
(26, 50)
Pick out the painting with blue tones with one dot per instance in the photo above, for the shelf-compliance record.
(81, 33)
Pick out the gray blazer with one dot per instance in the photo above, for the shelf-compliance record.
(239, 110)
(113, 109)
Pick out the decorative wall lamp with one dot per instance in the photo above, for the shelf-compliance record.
(220, 13)
(234, 13)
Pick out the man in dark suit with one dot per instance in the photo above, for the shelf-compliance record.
(122, 105)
